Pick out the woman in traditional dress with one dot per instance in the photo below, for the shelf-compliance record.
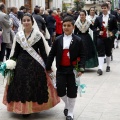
(92, 17)
(31, 89)
(82, 26)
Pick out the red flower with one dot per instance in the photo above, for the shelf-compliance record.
(78, 59)
(74, 62)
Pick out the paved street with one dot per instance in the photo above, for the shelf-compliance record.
(100, 102)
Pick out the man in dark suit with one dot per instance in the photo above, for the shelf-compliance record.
(113, 12)
(21, 12)
(39, 20)
(50, 23)
(105, 29)
(110, 11)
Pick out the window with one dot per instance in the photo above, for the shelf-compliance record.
(2, 1)
(27, 4)
(46, 4)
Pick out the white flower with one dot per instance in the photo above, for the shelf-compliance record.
(10, 64)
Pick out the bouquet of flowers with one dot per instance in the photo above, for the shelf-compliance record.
(7, 68)
(81, 87)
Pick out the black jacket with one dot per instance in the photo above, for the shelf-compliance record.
(76, 50)
(20, 15)
(112, 24)
(40, 21)
(50, 21)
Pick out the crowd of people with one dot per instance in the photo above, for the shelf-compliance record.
(34, 39)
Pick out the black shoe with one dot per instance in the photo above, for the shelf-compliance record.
(100, 72)
(111, 57)
(107, 69)
(104, 60)
(65, 112)
(69, 118)
(26, 115)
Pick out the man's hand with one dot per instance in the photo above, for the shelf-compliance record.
(49, 71)
(110, 34)
(101, 33)
(79, 74)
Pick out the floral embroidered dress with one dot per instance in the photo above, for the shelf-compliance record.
(31, 89)
(82, 30)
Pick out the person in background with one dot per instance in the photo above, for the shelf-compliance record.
(42, 11)
(9, 45)
(50, 23)
(91, 17)
(1, 38)
(15, 20)
(105, 27)
(75, 15)
(5, 24)
(28, 10)
(39, 20)
(45, 14)
(110, 11)
(82, 26)
(118, 23)
(21, 12)
(69, 13)
(58, 27)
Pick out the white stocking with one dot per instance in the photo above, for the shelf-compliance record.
(65, 99)
(108, 61)
(117, 42)
(101, 62)
(71, 102)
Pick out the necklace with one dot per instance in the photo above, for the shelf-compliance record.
(82, 22)
(28, 34)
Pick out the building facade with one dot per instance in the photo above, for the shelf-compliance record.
(32, 3)
(93, 3)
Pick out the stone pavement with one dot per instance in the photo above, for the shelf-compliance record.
(100, 102)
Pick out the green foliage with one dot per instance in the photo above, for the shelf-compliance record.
(64, 8)
(78, 4)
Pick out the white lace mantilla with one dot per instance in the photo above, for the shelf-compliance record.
(35, 37)
(26, 46)
(91, 19)
(83, 27)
